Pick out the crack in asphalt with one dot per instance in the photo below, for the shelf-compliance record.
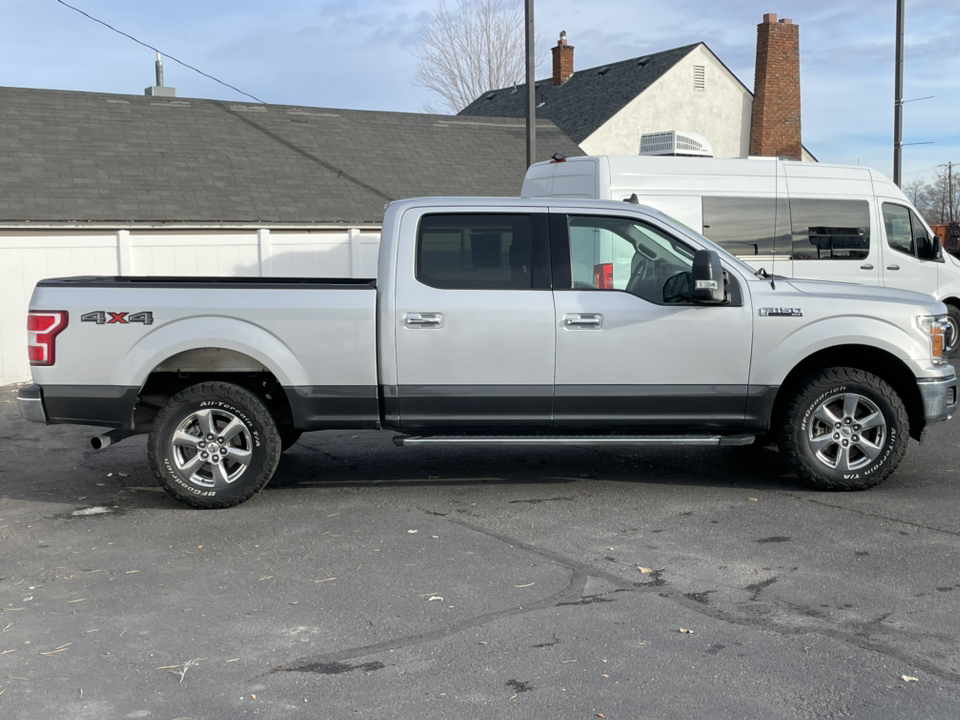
(786, 493)
(572, 594)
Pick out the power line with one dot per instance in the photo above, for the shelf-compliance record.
(151, 47)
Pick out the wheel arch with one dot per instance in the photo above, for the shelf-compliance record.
(211, 363)
(879, 362)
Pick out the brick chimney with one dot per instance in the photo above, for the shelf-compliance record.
(775, 124)
(562, 60)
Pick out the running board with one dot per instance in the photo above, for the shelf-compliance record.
(558, 440)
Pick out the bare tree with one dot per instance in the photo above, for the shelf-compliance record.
(468, 50)
(933, 199)
(914, 190)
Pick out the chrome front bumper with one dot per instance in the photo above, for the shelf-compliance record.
(30, 402)
(939, 398)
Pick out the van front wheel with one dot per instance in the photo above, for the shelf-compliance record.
(846, 429)
(953, 320)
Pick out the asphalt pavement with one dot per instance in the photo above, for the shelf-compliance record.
(371, 581)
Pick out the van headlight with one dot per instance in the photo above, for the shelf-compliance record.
(938, 330)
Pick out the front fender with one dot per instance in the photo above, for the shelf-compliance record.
(775, 357)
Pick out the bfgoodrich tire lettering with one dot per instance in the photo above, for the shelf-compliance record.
(846, 429)
(214, 445)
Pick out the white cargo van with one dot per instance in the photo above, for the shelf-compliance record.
(805, 220)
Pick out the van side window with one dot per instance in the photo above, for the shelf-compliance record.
(830, 229)
(896, 221)
(748, 227)
(476, 251)
(615, 253)
(906, 233)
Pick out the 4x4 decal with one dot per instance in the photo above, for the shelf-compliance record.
(101, 317)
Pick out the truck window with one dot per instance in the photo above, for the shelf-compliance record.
(612, 253)
(830, 229)
(748, 227)
(476, 251)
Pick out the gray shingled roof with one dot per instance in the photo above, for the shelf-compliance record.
(588, 99)
(77, 156)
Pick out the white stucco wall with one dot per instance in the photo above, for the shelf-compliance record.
(27, 256)
(720, 112)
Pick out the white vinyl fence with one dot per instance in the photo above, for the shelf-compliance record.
(27, 256)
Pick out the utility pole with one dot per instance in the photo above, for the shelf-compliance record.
(531, 87)
(950, 212)
(898, 98)
(950, 189)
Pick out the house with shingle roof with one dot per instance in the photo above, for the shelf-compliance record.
(106, 184)
(606, 109)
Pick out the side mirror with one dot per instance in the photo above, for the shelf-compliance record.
(930, 248)
(708, 278)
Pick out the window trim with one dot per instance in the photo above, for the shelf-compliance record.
(563, 266)
(540, 250)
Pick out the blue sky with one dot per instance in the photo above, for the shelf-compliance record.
(359, 54)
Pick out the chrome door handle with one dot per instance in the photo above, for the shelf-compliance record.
(893, 267)
(583, 321)
(868, 266)
(423, 320)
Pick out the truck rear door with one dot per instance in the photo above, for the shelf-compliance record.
(475, 335)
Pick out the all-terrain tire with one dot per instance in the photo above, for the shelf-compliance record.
(214, 445)
(953, 318)
(846, 429)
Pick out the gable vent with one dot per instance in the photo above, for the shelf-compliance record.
(699, 77)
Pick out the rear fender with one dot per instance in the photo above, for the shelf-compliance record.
(233, 334)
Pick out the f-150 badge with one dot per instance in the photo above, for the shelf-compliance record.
(101, 317)
(781, 312)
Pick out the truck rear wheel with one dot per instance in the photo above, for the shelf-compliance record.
(846, 429)
(214, 445)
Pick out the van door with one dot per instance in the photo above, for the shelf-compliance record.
(629, 355)
(833, 216)
(832, 240)
(907, 263)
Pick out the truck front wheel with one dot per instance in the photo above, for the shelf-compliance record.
(214, 445)
(846, 429)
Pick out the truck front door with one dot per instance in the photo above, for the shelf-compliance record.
(633, 351)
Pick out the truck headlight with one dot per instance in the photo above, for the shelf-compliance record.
(937, 329)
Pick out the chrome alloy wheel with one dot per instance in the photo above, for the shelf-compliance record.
(212, 448)
(847, 432)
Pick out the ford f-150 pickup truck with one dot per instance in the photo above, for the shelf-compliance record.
(495, 321)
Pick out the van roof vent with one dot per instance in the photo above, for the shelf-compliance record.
(675, 142)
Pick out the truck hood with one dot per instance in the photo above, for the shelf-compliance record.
(842, 291)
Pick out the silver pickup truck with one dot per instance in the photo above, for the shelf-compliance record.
(495, 321)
